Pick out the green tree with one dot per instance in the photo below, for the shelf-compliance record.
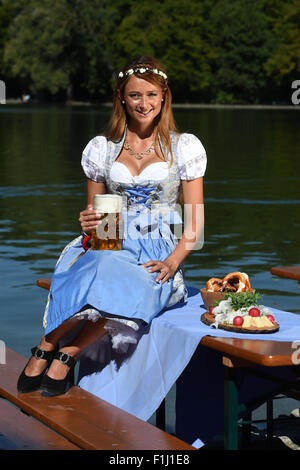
(64, 45)
(174, 32)
(6, 17)
(284, 63)
(40, 48)
(97, 22)
(225, 51)
(242, 40)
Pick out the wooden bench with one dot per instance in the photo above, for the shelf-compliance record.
(45, 282)
(74, 421)
(21, 432)
(290, 272)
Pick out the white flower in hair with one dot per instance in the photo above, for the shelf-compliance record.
(162, 74)
(142, 70)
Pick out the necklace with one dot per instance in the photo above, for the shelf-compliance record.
(138, 155)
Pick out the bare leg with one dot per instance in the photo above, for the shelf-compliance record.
(49, 343)
(88, 335)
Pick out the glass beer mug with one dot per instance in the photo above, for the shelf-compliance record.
(107, 234)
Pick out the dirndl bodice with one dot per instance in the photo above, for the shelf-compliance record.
(149, 195)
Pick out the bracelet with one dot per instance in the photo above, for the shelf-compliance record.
(86, 242)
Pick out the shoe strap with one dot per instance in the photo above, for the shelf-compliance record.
(65, 358)
(40, 353)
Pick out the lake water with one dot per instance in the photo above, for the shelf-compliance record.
(252, 201)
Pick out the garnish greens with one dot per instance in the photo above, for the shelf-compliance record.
(241, 299)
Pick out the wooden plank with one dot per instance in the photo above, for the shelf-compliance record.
(83, 418)
(260, 352)
(45, 282)
(21, 432)
(290, 272)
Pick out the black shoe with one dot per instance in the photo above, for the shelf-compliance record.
(28, 384)
(52, 387)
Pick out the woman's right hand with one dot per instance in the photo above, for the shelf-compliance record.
(89, 219)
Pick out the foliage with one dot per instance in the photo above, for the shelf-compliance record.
(241, 38)
(98, 19)
(284, 63)
(222, 51)
(175, 32)
(6, 17)
(41, 44)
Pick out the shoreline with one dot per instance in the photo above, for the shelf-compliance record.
(291, 107)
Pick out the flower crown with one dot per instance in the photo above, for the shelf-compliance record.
(142, 70)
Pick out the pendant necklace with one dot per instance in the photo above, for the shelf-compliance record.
(138, 155)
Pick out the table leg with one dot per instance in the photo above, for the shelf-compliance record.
(230, 409)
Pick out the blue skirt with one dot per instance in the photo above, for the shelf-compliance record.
(113, 282)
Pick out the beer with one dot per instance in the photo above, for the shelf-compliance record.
(107, 234)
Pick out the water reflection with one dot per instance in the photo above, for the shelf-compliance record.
(252, 198)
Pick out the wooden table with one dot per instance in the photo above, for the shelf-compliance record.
(246, 353)
(238, 353)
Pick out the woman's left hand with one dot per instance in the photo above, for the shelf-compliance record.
(167, 269)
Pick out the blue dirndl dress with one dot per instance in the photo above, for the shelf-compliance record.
(114, 284)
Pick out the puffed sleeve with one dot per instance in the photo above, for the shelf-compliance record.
(191, 157)
(93, 159)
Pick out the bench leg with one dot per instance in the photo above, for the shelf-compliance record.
(246, 430)
(161, 416)
(230, 409)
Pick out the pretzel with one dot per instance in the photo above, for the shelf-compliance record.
(227, 287)
(214, 285)
(237, 282)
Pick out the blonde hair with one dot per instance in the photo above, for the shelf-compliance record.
(164, 122)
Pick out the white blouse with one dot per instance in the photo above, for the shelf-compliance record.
(191, 162)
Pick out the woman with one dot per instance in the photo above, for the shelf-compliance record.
(145, 159)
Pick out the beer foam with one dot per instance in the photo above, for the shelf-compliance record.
(107, 203)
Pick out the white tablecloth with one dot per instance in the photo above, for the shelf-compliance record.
(141, 381)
